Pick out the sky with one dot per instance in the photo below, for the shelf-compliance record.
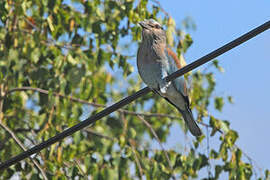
(247, 73)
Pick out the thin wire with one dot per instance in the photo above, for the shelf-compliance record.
(134, 96)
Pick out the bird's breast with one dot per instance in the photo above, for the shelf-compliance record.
(150, 68)
(151, 64)
(150, 73)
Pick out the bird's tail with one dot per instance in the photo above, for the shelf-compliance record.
(192, 125)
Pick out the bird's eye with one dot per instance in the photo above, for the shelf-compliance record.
(157, 26)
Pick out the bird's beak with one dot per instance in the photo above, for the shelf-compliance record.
(143, 24)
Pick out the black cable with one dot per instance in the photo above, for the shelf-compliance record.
(131, 98)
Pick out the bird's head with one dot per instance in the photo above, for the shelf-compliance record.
(152, 30)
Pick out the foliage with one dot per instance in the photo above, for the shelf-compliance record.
(86, 50)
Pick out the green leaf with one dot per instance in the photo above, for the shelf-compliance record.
(35, 55)
(216, 64)
(186, 42)
(96, 27)
(219, 102)
(71, 59)
(213, 154)
(267, 174)
(218, 170)
(51, 26)
(75, 172)
(231, 137)
(230, 99)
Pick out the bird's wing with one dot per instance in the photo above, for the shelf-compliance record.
(179, 83)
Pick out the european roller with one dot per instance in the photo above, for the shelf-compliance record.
(155, 61)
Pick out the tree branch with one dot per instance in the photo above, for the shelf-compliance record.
(132, 144)
(73, 99)
(20, 144)
(98, 134)
(160, 144)
(161, 8)
(77, 163)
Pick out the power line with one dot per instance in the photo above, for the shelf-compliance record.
(136, 95)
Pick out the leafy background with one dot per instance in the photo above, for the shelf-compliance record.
(62, 61)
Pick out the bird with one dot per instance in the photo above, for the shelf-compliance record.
(155, 61)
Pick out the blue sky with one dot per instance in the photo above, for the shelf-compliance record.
(247, 73)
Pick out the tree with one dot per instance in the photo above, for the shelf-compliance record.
(62, 61)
